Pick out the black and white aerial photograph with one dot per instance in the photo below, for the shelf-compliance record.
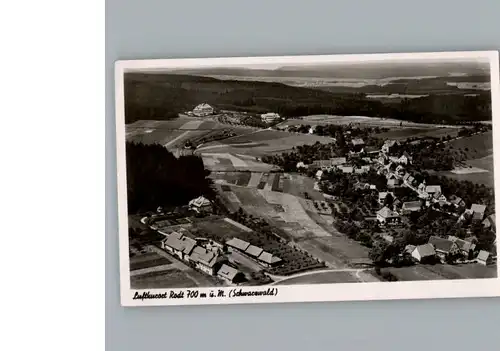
(353, 172)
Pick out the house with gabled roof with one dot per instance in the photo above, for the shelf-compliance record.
(387, 216)
(205, 260)
(457, 201)
(178, 245)
(230, 274)
(477, 212)
(443, 247)
(423, 253)
(405, 158)
(200, 205)
(465, 247)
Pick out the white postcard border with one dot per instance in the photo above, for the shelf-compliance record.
(298, 293)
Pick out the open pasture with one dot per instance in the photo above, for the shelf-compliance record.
(225, 162)
(361, 120)
(261, 143)
(475, 146)
(321, 277)
(401, 133)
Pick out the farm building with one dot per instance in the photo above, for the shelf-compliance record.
(443, 247)
(205, 260)
(200, 205)
(268, 259)
(203, 110)
(253, 251)
(326, 164)
(319, 174)
(230, 274)
(387, 216)
(346, 169)
(239, 244)
(178, 245)
(270, 117)
(423, 253)
(405, 158)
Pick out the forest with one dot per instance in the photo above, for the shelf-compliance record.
(164, 96)
(155, 177)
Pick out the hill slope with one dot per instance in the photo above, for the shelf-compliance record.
(163, 96)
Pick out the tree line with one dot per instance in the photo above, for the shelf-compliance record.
(155, 177)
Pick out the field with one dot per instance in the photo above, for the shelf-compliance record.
(170, 278)
(401, 133)
(148, 260)
(322, 278)
(263, 142)
(476, 146)
(362, 121)
(310, 231)
(174, 133)
(441, 271)
(226, 162)
(479, 151)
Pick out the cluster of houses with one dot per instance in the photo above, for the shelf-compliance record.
(204, 255)
(442, 248)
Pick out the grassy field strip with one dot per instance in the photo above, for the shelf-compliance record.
(173, 141)
(152, 269)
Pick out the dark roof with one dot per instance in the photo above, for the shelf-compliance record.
(440, 244)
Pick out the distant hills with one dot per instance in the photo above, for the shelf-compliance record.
(379, 70)
(162, 96)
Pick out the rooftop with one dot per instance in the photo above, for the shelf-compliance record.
(431, 189)
(180, 242)
(254, 251)
(478, 208)
(266, 257)
(412, 205)
(483, 255)
(386, 212)
(238, 243)
(199, 202)
(425, 250)
(227, 272)
(441, 244)
(204, 256)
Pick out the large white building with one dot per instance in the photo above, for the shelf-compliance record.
(270, 117)
(203, 110)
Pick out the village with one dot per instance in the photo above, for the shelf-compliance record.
(393, 212)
